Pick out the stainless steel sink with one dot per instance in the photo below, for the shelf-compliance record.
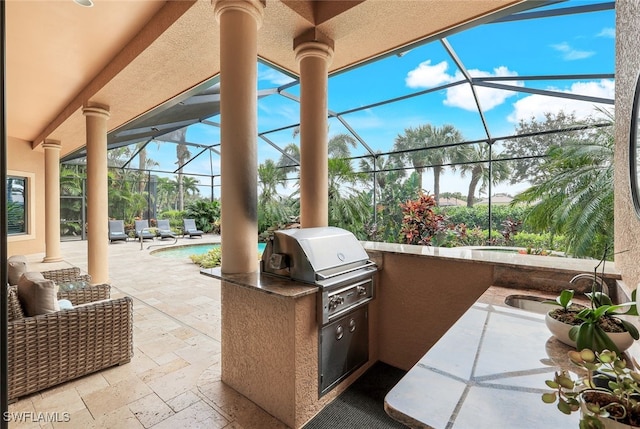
(528, 302)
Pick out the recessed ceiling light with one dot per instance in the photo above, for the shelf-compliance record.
(85, 3)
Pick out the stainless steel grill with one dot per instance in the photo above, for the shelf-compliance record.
(332, 259)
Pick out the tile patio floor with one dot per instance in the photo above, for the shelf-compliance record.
(173, 380)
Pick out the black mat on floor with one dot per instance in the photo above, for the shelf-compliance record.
(361, 406)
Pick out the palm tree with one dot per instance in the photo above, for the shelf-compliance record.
(379, 167)
(71, 180)
(285, 162)
(576, 199)
(478, 166)
(182, 155)
(270, 176)
(434, 156)
(349, 207)
(190, 185)
(271, 209)
(167, 193)
(339, 144)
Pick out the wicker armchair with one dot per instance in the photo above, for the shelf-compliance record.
(66, 275)
(53, 348)
(86, 294)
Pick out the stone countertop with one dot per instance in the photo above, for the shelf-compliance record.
(488, 371)
(498, 257)
(265, 283)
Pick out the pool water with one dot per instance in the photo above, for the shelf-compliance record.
(192, 249)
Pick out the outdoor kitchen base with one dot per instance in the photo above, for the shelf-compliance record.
(270, 348)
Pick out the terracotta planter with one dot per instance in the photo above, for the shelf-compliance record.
(608, 423)
(560, 330)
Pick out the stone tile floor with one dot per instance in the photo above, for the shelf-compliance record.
(173, 380)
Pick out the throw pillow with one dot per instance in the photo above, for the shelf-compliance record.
(17, 266)
(65, 304)
(38, 295)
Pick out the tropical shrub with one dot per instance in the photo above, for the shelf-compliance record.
(206, 214)
(174, 216)
(213, 258)
(420, 223)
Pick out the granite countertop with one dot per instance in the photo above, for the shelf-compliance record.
(488, 371)
(266, 283)
(496, 256)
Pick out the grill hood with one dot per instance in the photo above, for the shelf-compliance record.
(313, 255)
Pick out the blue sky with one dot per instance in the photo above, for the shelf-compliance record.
(572, 44)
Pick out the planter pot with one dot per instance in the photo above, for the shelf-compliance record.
(607, 422)
(560, 330)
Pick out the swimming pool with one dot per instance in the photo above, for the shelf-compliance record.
(192, 249)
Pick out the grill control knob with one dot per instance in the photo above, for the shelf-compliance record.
(352, 325)
(335, 301)
(339, 332)
(362, 290)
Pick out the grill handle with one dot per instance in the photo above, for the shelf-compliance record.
(367, 265)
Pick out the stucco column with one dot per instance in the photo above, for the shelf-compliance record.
(314, 59)
(52, 200)
(97, 193)
(239, 22)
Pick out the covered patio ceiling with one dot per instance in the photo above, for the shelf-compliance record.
(136, 56)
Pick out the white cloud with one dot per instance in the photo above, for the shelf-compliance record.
(274, 76)
(426, 75)
(609, 32)
(571, 54)
(536, 105)
(461, 95)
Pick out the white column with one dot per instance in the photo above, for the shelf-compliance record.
(52, 200)
(97, 193)
(239, 22)
(314, 58)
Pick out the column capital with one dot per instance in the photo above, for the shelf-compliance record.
(254, 8)
(313, 43)
(51, 144)
(96, 110)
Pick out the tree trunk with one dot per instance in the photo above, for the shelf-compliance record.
(475, 178)
(436, 184)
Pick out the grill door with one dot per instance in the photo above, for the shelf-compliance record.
(344, 347)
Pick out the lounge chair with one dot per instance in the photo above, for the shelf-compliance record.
(189, 228)
(164, 230)
(116, 231)
(142, 230)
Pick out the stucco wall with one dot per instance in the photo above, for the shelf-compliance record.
(22, 160)
(419, 299)
(627, 223)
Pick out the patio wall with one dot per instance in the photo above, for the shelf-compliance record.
(23, 161)
(419, 299)
(627, 224)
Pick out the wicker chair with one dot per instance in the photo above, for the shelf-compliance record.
(64, 275)
(53, 348)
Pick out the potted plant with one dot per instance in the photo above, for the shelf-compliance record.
(597, 326)
(613, 407)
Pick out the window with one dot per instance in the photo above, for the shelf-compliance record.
(17, 201)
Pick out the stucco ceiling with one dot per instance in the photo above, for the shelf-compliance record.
(136, 55)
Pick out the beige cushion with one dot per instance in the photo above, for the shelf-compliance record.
(37, 295)
(16, 267)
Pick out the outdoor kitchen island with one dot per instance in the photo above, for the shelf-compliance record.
(270, 326)
(270, 344)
